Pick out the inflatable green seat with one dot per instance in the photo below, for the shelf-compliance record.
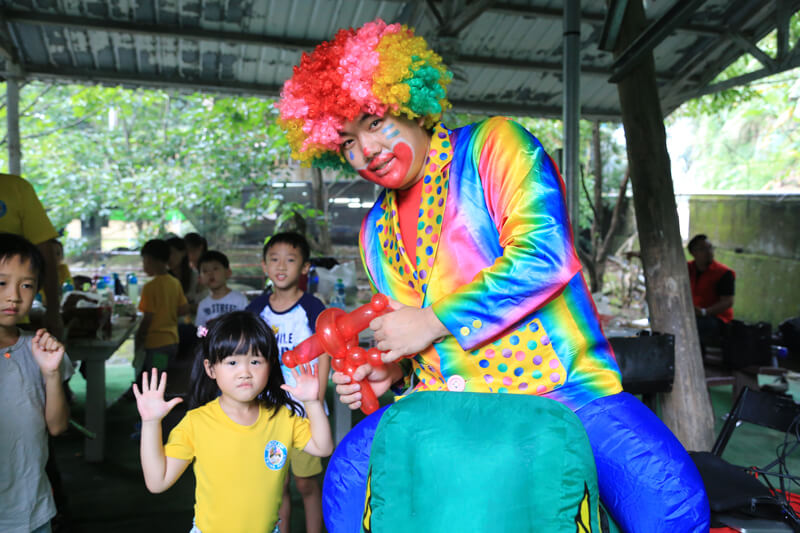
(461, 462)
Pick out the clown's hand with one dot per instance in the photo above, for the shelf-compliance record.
(380, 379)
(406, 331)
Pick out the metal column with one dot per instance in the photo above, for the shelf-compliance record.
(12, 123)
(572, 103)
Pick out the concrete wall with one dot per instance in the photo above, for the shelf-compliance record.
(758, 236)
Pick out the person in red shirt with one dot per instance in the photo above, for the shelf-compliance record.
(712, 291)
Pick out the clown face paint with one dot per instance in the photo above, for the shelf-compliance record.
(388, 151)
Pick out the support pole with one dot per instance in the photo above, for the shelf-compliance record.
(687, 409)
(12, 123)
(572, 111)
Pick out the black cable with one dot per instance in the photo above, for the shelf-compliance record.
(783, 451)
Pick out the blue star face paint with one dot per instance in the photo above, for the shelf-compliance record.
(388, 151)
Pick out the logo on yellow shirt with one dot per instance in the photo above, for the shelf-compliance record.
(275, 455)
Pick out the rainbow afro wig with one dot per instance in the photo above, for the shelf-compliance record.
(377, 69)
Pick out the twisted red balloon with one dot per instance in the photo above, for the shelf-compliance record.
(337, 335)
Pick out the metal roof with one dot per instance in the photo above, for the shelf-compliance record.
(506, 56)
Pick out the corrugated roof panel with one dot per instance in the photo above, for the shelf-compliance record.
(216, 43)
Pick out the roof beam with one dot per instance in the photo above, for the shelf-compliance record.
(114, 78)
(744, 79)
(531, 110)
(464, 17)
(612, 24)
(749, 47)
(596, 18)
(652, 36)
(537, 66)
(215, 86)
(156, 30)
(703, 72)
(783, 13)
(7, 48)
(411, 13)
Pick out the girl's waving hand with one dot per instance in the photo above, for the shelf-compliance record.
(150, 401)
(307, 391)
(307, 386)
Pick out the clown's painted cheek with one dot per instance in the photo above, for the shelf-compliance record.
(391, 169)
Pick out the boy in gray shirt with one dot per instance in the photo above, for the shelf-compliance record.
(33, 368)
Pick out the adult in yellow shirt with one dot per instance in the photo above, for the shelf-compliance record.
(22, 213)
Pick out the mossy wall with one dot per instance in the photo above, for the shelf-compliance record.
(758, 236)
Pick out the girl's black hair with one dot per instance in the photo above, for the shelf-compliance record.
(184, 273)
(238, 333)
(195, 240)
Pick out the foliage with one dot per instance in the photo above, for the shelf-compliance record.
(140, 155)
(746, 138)
(143, 153)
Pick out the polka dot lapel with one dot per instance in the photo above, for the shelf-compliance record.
(430, 217)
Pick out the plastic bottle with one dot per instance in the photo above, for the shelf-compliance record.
(103, 288)
(118, 288)
(106, 309)
(105, 276)
(778, 352)
(338, 299)
(313, 280)
(133, 288)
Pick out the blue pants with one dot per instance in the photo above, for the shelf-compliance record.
(646, 478)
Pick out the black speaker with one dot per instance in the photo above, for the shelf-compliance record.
(747, 344)
(647, 362)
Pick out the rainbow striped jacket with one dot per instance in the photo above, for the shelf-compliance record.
(496, 260)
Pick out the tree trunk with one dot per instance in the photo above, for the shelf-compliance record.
(687, 410)
(599, 210)
(319, 201)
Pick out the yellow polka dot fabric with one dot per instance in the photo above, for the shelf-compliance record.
(523, 361)
(431, 213)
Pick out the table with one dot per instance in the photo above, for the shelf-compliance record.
(94, 352)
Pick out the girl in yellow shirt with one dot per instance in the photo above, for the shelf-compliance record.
(240, 430)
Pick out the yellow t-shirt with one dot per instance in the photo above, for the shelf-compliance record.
(162, 296)
(21, 212)
(239, 469)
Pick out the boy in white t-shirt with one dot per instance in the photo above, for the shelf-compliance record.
(215, 270)
(292, 315)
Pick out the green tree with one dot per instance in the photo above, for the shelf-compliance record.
(747, 137)
(144, 154)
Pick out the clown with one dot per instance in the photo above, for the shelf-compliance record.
(471, 240)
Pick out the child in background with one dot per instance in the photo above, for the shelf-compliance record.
(32, 399)
(239, 431)
(162, 301)
(179, 267)
(196, 246)
(214, 273)
(292, 315)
